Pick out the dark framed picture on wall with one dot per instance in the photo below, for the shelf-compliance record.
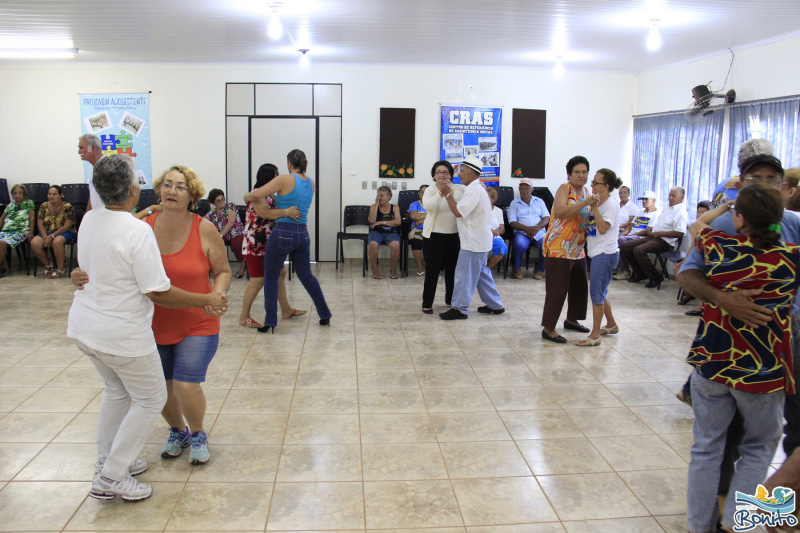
(528, 136)
(396, 153)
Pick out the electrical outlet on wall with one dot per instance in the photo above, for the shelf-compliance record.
(394, 185)
(384, 184)
(363, 184)
(405, 185)
(374, 185)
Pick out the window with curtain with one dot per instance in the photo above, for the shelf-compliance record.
(672, 150)
(775, 120)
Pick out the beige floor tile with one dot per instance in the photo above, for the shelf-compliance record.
(328, 360)
(674, 523)
(453, 359)
(495, 359)
(410, 504)
(15, 455)
(540, 424)
(238, 464)
(322, 429)
(483, 459)
(643, 452)
(321, 378)
(77, 377)
(175, 469)
(681, 443)
(544, 527)
(335, 345)
(335, 506)
(11, 397)
(643, 394)
(608, 421)
(614, 525)
(583, 396)
(667, 371)
(61, 462)
(55, 400)
(46, 356)
(117, 515)
(390, 378)
(661, 491)
(221, 507)
(258, 359)
(511, 377)
(312, 401)
(396, 428)
(396, 357)
(440, 378)
(562, 456)
(591, 496)
(623, 373)
(257, 402)
(276, 378)
(521, 398)
(18, 376)
(391, 401)
(502, 501)
(83, 428)
(465, 427)
(248, 429)
(32, 427)
(320, 462)
(557, 375)
(415, 461)
(457, 400)
(667, 418)
(46, 505)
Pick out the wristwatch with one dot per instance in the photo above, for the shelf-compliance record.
(149, 211)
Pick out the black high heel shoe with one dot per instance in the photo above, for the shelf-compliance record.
(655, 282)
(266, 329)
(325, 321)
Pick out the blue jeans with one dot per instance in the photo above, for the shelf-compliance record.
(714, 405)
(602, 267)
(472, 273)
(521, 244)
(188, 360)
(288, 239)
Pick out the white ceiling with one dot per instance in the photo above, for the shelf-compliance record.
(606, 35)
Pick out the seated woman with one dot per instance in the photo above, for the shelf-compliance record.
(740, 367)
(384, 228)
(499, 247)
(417, 215)
(16, 223)
(225, 218)
(56, 226)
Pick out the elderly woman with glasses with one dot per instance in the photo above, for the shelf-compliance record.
(440, 245)
(225, 218)
(111, 320)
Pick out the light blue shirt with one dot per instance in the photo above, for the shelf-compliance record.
(528, 215)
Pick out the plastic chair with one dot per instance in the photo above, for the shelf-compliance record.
(404, 201)
(5, 193)
(147, 197)
(354, 215)
(202, 207)
(37, 192)
(505, 195)
(77, 194)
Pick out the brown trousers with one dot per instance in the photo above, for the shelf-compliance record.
(566, 280)
(635, 252)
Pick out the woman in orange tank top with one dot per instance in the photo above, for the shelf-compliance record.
(187, 339)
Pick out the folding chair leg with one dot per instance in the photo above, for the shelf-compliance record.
(338, 245)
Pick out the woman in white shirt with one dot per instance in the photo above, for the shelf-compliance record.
(602, 247)
(440, 244)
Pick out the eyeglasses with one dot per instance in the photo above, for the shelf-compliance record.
(758, 179)
(442, 172)
(219, 200)
(598, 183)
(180, 187)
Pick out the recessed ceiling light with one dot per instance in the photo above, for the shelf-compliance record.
(304, 57)
(558, 69)
(38, 53)
(654, 37)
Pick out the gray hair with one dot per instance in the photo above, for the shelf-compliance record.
(680, 190)
(386, 189)
(113, 177)
(92, 141)
(754, 147)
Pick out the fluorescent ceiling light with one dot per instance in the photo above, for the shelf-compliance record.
(303, 58)
(274, 29)
(654, 37)
(38, 53)
(558, 69)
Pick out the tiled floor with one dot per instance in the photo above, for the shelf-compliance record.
(389, 420)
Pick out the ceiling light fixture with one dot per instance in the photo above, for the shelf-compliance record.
(274, 28)
(654, 37)
(558, 69)
(38, 53)
(304, 57)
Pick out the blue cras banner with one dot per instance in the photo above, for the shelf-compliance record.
(473, 130)
(122, 123)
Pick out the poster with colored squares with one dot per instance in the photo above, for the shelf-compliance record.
(472, 130)
(122, 121)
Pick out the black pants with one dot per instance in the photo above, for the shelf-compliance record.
(440, 251)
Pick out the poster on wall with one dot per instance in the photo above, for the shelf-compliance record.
(122, 123)
(472, 130)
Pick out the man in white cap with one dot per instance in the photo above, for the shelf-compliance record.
(529, 217)
(639, 226)
(475, 224)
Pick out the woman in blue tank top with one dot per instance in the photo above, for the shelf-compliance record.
(289, 237)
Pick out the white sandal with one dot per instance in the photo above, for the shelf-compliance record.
(49, 270)
(55, 274)
(588, 341)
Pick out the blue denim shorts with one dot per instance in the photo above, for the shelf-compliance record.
(188, 360)
(499, 246)
(603, 266)
(383, 238)
(68, 235)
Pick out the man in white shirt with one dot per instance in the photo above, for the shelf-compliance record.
(529, 217)
(643, 219)
(627, 210)
(91, 150)
(475, 224)
(665, 234)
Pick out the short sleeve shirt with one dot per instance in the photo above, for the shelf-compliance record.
(53, 221)
(17, 219)
(221, 218)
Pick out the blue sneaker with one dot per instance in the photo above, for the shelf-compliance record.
(177, 441)
(199, 453)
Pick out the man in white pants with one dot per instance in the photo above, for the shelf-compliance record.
(475, 224)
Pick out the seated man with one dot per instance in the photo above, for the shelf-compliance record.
(499, 248)
(665, 234)
(643, 219)
(529, 217)
(417, 215)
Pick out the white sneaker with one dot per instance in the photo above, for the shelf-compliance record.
(137, 467)
(128, 489)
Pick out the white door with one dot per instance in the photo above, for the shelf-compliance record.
(271, 139)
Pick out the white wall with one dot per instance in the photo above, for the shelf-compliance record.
(765, 71)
